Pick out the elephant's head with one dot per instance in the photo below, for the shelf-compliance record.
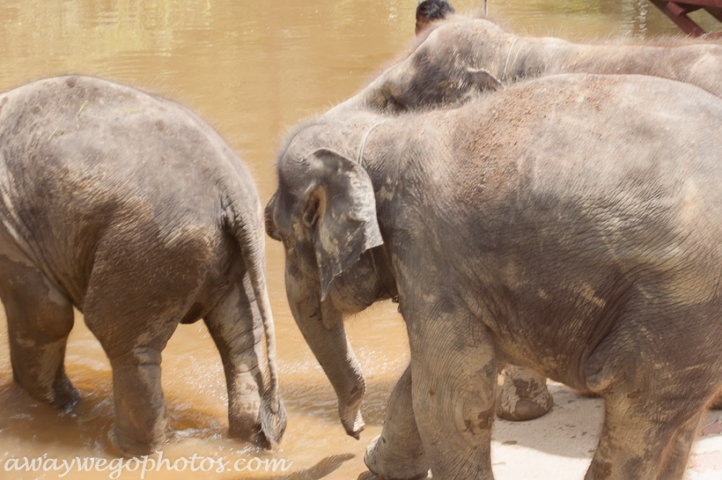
(324, 212)
(452, 63)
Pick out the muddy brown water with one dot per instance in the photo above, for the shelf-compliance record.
(252, 69)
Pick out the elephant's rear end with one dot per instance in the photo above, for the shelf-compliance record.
(129, 205)
(87, 162)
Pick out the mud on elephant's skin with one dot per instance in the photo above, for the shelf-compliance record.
(460, 58)
(132, 209)
(555, 225)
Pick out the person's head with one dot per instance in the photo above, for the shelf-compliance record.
(430, 11)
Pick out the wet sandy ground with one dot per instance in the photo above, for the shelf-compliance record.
(560, 445)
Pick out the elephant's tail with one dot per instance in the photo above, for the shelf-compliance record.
(247, 227)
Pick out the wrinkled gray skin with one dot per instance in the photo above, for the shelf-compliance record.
(132, 209)
(567, 224)
(461, 58)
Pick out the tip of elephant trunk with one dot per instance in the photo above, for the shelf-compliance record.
(354, 426)
(349, 409)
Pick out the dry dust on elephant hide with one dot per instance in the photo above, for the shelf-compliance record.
(132, 209)
(555, 225)
(462, 58)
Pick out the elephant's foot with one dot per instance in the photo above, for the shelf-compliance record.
(386, 464)
(132, 447)
(141, 416)
(58, 393)
(523, 396)
(65, 395)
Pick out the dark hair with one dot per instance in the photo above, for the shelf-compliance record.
(433, 9)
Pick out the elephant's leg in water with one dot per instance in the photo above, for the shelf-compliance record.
(39, 321)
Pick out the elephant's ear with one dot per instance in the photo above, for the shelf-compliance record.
(340, 211)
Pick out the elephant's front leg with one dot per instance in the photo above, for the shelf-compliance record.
(524, 395)
(398, 452)
(454, 373)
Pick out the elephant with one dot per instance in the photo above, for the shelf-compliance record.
(461, 58)
(132, 209)
(567, 224)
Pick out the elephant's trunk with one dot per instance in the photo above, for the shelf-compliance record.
(331, 348)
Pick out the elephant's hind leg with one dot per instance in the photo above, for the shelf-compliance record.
(137, 296)
(638, 434)
(39, 321)
(133, 339)
(133, 343)
(680, 447)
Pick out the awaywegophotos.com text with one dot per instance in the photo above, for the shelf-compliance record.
(145, 465)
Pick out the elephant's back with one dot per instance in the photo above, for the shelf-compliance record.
(582, 135)
(569, 159)
(81, 157)
(88, 110)
(585, 197)
(73, 135)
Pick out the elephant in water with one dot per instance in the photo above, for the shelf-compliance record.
(460, 58)
(567, 224)
(132, 209)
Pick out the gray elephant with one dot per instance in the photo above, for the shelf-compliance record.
(457, 59)
(132, 209)
(460, 58)
(567, 224)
